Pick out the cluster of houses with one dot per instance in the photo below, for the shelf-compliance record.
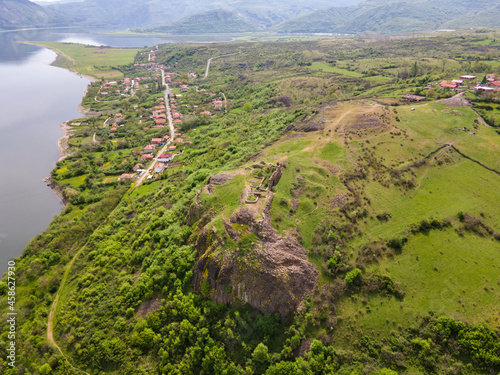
(176, 115)
(158, 114)
(122, 88)
(115, 89)
(490, 83)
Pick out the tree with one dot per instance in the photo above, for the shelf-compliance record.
(260, 356)
(414, 70)
(247, 107)
(45, 369)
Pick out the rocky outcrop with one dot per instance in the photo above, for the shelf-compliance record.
(272, 274)
(275, 177)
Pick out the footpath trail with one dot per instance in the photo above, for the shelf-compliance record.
(216, 57)
(53, 308)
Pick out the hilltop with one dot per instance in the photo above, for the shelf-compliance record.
(311, 216)
(215, 21)
(396, 17)
(15, 14)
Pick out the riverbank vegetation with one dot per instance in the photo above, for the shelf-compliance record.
(393, 203)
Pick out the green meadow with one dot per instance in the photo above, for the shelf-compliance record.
(89, 60)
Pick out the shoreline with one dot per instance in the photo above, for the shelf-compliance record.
(63, 142)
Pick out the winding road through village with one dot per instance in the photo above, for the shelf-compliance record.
(172, 134)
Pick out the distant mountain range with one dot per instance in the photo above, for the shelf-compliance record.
(214, 21)
(145, 13)
(392, 17)
(234, 16)
(17, 14)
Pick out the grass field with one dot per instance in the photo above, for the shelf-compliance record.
(93, 61)
(333, 69)
(440, 272)
(74, 181)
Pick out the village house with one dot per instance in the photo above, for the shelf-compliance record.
(172, 148)
(137, 166)
(184, 88)
(485, 88)
(166, 137)
(159, 167)
(467, 77)
(452, 85)
(178, 140)
(217, 104)
(156, 141)
(495, 85)
(165, 158)
(206, 113)
(147, 157)
(149, 149)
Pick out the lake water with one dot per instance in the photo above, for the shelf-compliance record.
(35, 99)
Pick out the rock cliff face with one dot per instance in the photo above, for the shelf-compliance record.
(272, 275)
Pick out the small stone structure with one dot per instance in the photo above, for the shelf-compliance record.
(259, 191)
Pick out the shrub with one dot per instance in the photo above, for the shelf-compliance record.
(397, 243)
(205, 287)
(332, 263)
(353, 277)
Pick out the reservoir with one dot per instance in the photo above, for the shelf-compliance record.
(35, 99)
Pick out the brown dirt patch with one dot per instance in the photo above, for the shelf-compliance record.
(334, 170)
(174, 164)
(299, 185)
(339, 200)
(149, 306)
(456, 101)
(365, 122)
(453, 113)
